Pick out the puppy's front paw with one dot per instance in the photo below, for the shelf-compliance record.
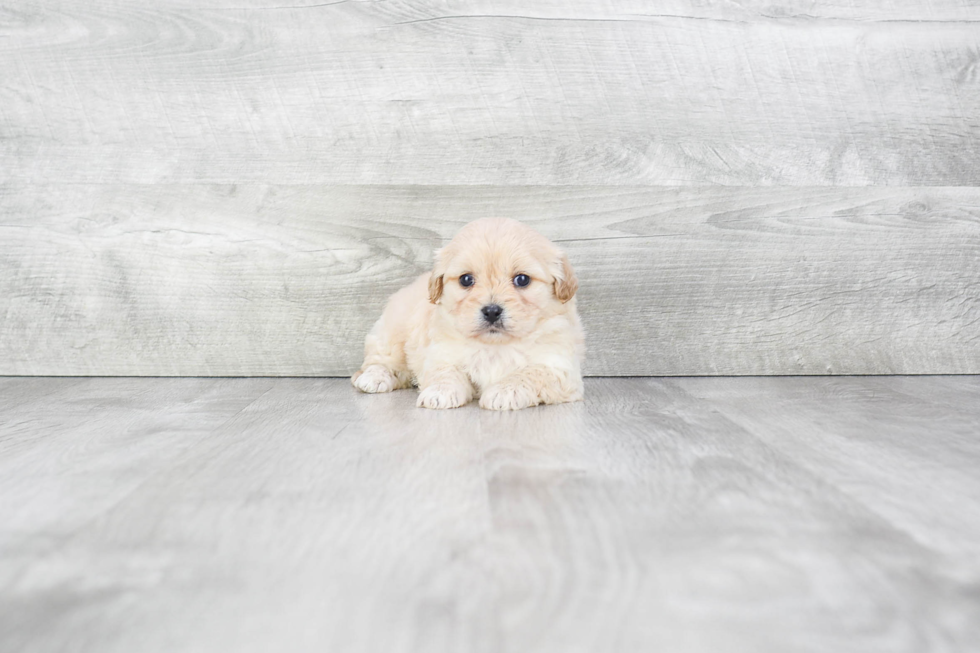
(508, 396)
(443, 395)
(374, 378)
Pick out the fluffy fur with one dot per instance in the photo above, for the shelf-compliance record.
(433, 333)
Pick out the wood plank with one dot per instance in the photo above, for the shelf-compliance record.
(649, 517)
(16, 391)
(61, 452)
(286, 280)
(872, 438)
(491, 92)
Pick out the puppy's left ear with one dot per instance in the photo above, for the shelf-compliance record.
(566, 283)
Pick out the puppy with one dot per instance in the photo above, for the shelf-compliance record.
(494, 320)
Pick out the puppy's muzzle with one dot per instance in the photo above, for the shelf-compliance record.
(491, 313)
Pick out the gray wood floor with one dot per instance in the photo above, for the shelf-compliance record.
(752, 514)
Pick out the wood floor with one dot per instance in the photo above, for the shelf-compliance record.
(713, 514)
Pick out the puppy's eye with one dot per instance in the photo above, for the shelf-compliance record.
(521, 280)
(467, 280)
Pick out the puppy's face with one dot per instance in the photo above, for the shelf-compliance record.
(498, 280)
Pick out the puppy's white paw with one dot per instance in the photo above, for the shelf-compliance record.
(508, 396)
(442, 395)
(375, 378)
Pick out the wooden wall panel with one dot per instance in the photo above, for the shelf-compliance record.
(286, 280)
(233, 187)
(486, 92)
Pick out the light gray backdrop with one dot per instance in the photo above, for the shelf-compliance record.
(234, 187)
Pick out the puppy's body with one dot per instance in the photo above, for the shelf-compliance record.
(512, 346)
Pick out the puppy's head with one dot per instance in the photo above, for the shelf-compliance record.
(498, 279)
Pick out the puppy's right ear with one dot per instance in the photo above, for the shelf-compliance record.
(435, 287)
(436, 276)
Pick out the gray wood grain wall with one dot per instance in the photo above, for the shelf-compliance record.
(745, 187)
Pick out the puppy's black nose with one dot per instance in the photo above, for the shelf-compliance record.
(491, 313)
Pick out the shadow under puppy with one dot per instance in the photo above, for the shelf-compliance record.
(495, 319)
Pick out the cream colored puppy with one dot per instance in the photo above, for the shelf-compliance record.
(495, 319)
